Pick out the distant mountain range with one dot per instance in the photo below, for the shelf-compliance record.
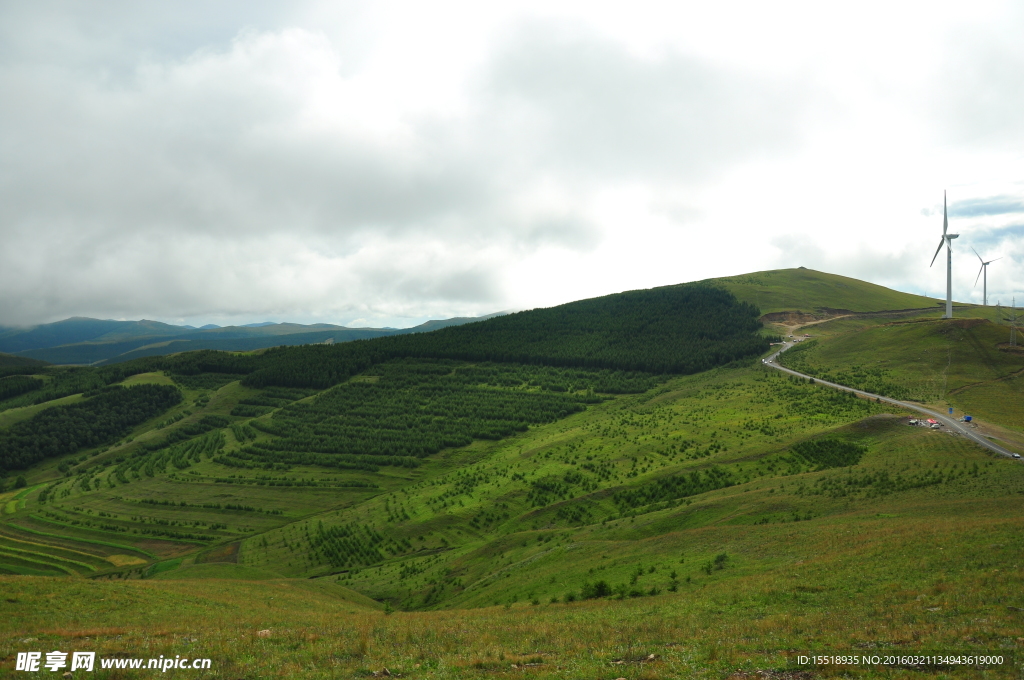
(81, 340)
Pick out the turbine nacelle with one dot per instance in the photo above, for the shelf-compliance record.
(947, 239)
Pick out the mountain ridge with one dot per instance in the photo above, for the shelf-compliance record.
(100, 341)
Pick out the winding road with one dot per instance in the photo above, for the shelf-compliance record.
(773, 362)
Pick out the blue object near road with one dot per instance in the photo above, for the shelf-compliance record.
(967, 418)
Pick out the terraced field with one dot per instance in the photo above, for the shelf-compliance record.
(457, 517)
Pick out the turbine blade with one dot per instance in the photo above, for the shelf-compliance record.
(945, 220)
(998, 258)
(937, 251)
(979, 256)
(980, 269)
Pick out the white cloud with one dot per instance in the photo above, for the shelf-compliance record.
(392, 161)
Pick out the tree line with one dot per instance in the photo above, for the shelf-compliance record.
(66, 429)
(678, 330)
(15, 385)
(672, 330)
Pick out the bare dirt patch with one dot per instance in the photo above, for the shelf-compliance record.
(165, 548)
(225, 553)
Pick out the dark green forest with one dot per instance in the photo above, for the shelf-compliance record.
(12, 365)
(61, 382)
(66, 429)
(15, 385)
(677, 329)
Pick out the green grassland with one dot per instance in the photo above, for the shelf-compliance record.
(450, 518)
(801, 543)
(810, 291)
(819, 560)
(959, 362)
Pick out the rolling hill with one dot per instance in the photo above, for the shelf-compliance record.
(810, 292)
(610, 488)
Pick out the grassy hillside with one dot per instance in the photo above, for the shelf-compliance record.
(893, 578)
(450, 517)
(882, 555)
(961, 362)
(810, 291)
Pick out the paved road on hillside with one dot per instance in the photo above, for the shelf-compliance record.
(773, 362)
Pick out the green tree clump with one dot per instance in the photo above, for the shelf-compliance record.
(18, 384)
(675, 487)
(829, 453)
(62, 430)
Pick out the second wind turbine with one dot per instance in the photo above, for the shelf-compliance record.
(948, 240)
(984, 269)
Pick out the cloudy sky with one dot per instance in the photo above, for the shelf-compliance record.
(383, 163)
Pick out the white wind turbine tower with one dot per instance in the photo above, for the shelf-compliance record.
(984, 268)
(948, 240)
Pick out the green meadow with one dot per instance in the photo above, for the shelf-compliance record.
(447, 518)
(808, 291)
(965, 363)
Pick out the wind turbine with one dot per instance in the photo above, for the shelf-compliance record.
(948, 240)
(984, 268)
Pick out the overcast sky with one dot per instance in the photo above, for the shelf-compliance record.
(383, 163)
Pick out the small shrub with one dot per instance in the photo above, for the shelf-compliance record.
(593, 591)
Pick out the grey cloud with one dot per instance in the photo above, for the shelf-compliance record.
(993, 236)
(600, 110)
(110, 37)
(161, 167)
(567, 231)
(462, 286)
(981, 207)
(144, 166)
